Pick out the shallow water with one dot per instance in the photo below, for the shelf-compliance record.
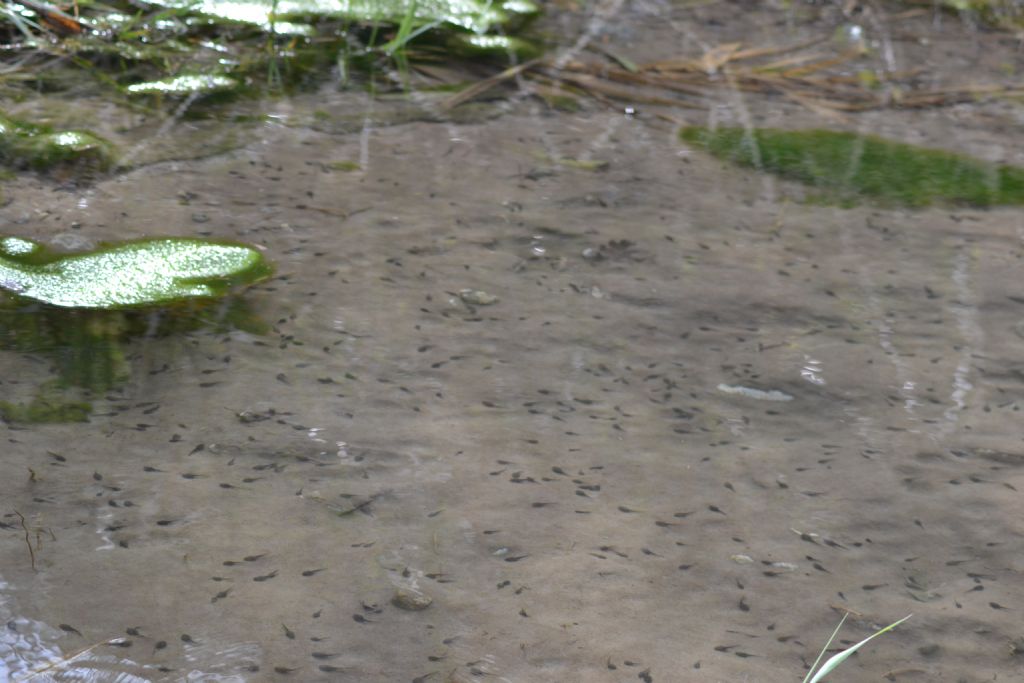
(701, 421)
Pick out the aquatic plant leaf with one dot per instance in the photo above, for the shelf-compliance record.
(184, 84)
(129, 274)
(485, 45)
(473, 15)
(849, 166)
(26, 145)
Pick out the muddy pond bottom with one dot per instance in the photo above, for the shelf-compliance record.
(519, 419)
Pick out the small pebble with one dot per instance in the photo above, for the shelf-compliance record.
(410, 599)
(477, 297)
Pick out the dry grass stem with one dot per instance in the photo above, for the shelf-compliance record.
(28, 539)
(486, 84)
(828, 85)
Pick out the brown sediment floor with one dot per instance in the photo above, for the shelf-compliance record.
(700, 423)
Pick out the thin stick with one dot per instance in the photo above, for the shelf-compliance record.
(593, 84)
(750, 53)
(28, 540)
(488, 83)
(824, 64)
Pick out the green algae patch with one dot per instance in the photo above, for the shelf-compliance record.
(49, 406)
(344, 166)
(846, 167)
(40, 148)
(141, 273)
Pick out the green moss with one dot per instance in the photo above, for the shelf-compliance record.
(846, 166)
(25, 145)
(128, 274)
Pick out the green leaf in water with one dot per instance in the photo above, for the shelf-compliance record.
(185, 84)
(484, 46)
(474, 15)
(26, 145)
(129, 274)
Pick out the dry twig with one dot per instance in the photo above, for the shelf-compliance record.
(28, 539)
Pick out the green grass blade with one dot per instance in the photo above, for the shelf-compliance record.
(404, 31)
(825, 649)
(22, 24)
(838, 659)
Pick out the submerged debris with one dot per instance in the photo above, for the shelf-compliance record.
(759, 394)
(823, 76)
(189, 47)
(477, 297)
